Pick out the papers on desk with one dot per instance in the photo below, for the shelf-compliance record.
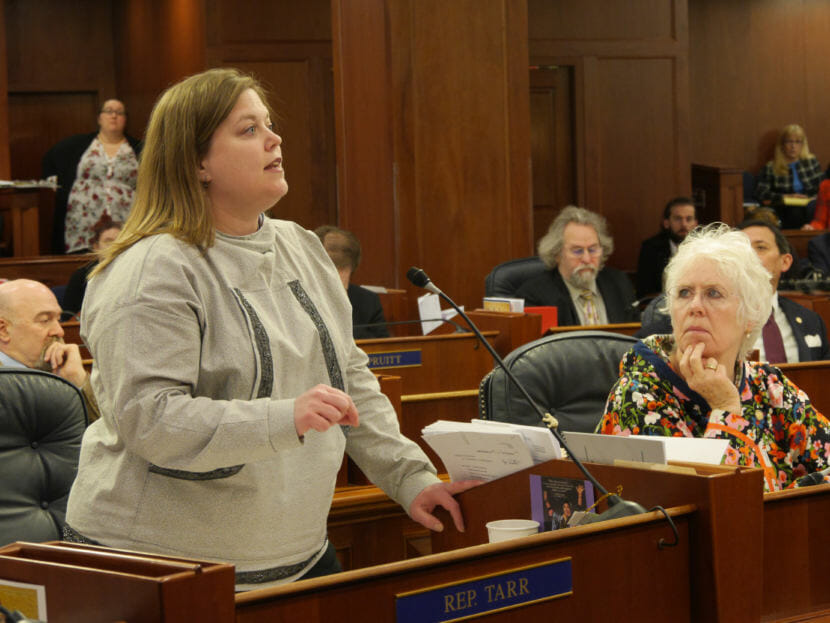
(796, 201)
(645, 448)
(503, 304)
(431, 314)
(486, 450)
(49, 182)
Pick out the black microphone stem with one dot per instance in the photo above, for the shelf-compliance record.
(617, 507)
(557, 435)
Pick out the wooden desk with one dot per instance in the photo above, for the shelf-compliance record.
(797, 554)
(442, 363)
(52, 270)
(799, 239)
(443, 385)
(85, 583)
(718, 192)
(19, 208)
(814, 378)
(726, 528)
(612, 564)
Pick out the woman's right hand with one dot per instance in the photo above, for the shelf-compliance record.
(321, 407)
(714, 384)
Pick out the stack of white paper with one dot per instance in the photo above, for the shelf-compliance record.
(595, 448)
(486, 450)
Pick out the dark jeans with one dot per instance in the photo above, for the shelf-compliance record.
(327, 564)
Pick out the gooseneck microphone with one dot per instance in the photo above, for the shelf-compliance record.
(814, 478)
(617, 507)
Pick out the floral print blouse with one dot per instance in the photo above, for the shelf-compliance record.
(778, 428)
(103, 185)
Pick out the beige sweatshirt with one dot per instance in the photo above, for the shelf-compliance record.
(198, 359)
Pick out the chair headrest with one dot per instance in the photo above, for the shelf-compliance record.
(507, 277)
(568, 374)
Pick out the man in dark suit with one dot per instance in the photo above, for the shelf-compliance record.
(343, 248)
(679, 218)
(802, 332)
(584, 291)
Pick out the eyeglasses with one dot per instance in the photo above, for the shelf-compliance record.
(793, 141)
(113, 111)
(578, 252)
(710, 296)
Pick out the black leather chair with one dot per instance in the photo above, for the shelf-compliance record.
(567, 374)
(506, 278)
(42, 420)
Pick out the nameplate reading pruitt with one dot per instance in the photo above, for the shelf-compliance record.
(394, 359)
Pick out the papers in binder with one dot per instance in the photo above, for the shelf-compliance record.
(485, 450)
(595, 448)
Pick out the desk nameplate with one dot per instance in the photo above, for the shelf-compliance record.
(394, 359)
(467, 599)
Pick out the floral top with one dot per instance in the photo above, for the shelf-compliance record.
(778, 429)
(103, 185)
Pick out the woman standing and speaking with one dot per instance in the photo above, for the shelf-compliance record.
(225, 369)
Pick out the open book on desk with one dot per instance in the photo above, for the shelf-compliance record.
(486, 450)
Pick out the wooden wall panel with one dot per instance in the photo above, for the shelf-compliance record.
(5, 161)
(631, 110)
(457, 96)
(157, 43)
(756, 66)
(636, 167)
(39, 120)
(367, 171)
(60, 46)
(552, 146)
(287, 45)
(60, 64)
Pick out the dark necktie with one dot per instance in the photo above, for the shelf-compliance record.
(773, 342)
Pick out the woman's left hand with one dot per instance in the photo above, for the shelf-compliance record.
(710, 379)
(440, 494)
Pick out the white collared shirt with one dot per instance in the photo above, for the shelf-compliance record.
(790, 345)
(575, 292)
(9, 362)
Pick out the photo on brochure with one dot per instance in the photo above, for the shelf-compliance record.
(560, 502)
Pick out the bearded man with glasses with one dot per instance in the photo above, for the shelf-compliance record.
(578, 284)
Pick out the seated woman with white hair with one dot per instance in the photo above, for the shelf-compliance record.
(695, 382)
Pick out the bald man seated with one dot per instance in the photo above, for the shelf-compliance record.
(31, 336)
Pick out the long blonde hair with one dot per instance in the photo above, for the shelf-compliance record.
(169, 196)
(780, 164)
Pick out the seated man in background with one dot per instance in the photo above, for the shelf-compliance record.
(679, 218)
(584, 290)
(792, 333)
(343, 248)
(31, 336)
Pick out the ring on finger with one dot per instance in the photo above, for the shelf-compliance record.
(711, 365)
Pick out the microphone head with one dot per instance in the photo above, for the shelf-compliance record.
(417, 277)
(814, 478)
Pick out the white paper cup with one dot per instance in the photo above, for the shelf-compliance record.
(506, 529)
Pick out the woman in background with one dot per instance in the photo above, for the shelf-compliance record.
(96, 176)
(793, 174)
(696, 382)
